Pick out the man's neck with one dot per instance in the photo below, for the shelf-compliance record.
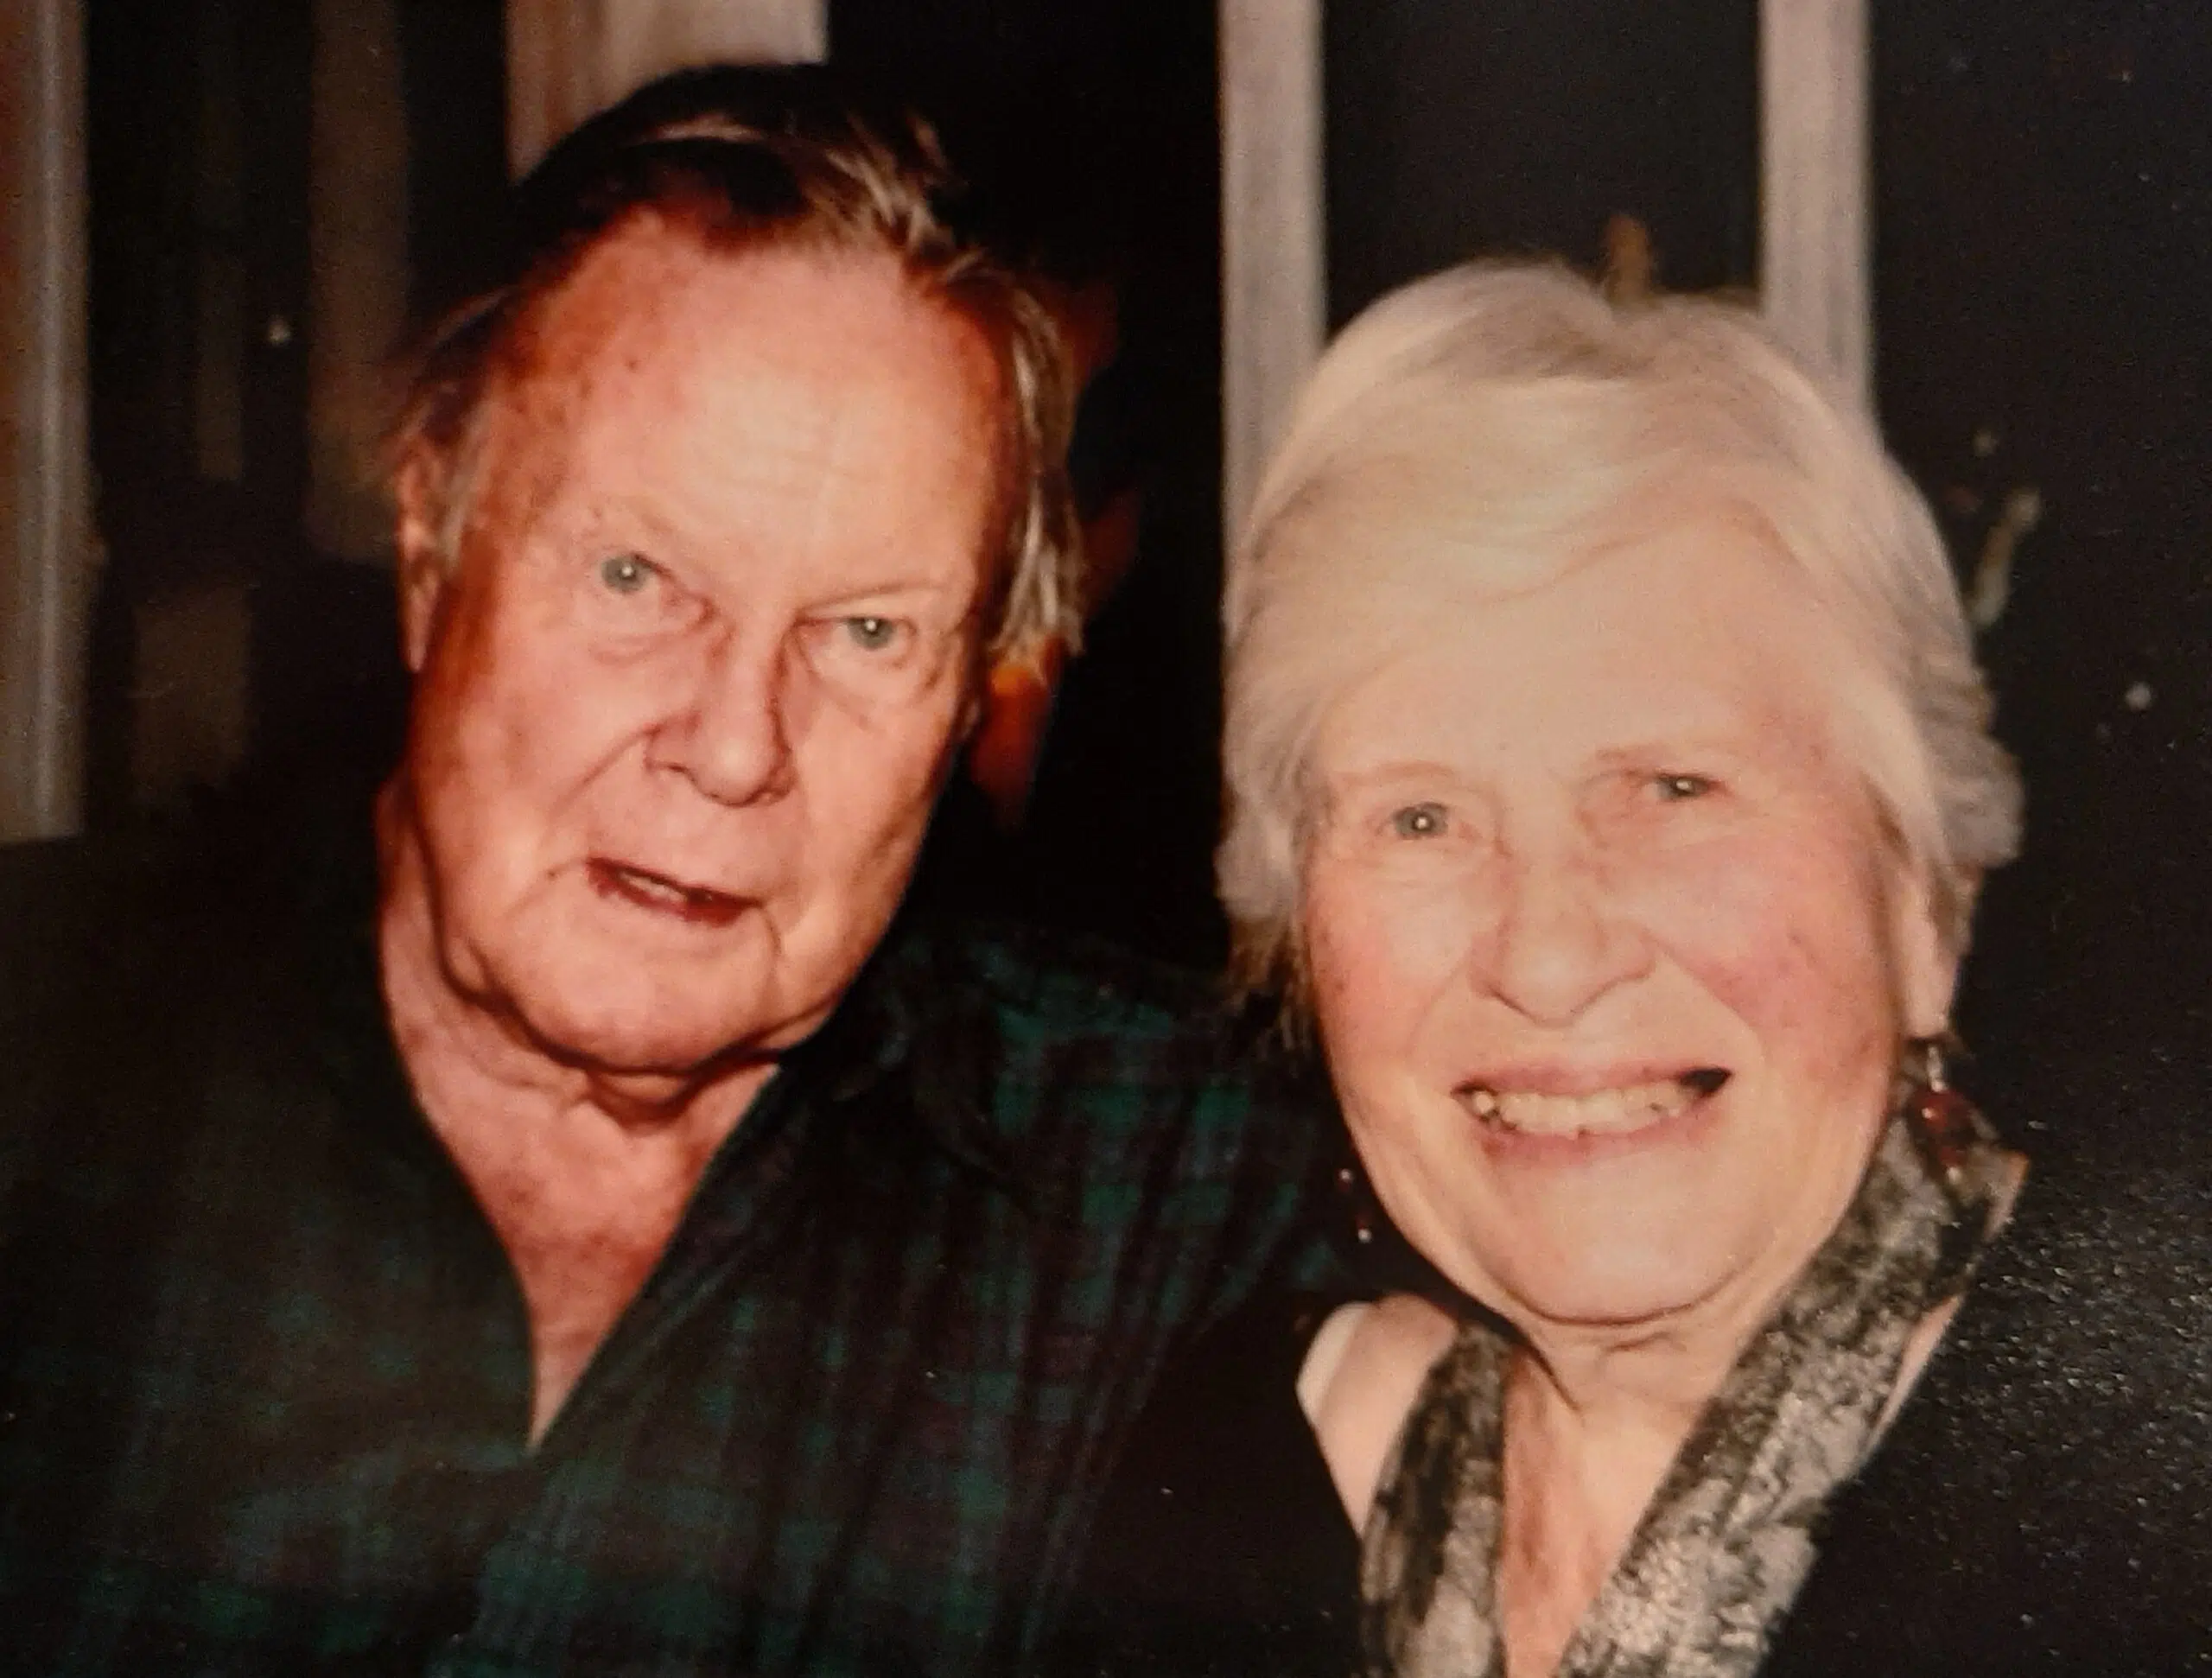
(585, 1177)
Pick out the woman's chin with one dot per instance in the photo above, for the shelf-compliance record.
(1598, 1297)
(1630, 1270)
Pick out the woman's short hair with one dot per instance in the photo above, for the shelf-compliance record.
(1472, 432)
(773, 156)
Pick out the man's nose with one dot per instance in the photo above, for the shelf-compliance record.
(732, 740)
(1560, 941)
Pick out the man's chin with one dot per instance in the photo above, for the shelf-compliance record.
(667, 1047)
(615, 1012)
(678, 1033)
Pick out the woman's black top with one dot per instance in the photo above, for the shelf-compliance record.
(1221, 1547)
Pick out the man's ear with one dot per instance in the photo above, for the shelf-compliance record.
(1927, 962)
(425, 567)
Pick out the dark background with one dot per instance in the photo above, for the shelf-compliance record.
(2044, 214)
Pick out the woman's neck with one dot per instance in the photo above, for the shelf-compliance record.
(1591, 1425)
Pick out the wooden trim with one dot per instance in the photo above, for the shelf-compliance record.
(1816, 255)
(357, 270)
(1274, 300)
(46, 595)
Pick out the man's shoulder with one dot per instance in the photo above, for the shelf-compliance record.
(142, 964)
(49, 888)
(81, 917)
(1078, 1050)
(1054, 984)
(87, 919)
(104, 953)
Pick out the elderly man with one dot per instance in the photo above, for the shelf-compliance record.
(582, 1237)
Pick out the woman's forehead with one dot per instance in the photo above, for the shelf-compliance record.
(1691, 630)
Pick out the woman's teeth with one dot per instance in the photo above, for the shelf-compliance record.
(1601, 1113)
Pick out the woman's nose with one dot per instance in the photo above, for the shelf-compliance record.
(1559, 942)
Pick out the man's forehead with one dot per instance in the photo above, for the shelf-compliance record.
(660, 285)
(676, 376)
(658, 296)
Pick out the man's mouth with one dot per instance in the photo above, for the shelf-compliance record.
(700, 904)
(1619, 1111)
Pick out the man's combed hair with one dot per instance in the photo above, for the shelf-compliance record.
(1473, 433)
(764, 157)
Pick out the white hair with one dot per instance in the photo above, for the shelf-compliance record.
(1468, 433)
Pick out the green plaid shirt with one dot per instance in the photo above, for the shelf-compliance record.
(265, 1372)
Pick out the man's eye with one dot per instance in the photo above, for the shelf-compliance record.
(1674, 789)
(1421, 820)
(872, 634)
(626, 573)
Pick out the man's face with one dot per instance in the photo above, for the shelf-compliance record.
(683, 704)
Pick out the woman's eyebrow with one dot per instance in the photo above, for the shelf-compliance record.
(1362, 777)
(1659, 744)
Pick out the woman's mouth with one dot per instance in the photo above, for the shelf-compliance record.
(1619, 1111)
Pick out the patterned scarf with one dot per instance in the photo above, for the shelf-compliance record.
(1728, 1539)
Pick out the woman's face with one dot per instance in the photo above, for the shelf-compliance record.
(1610, 954)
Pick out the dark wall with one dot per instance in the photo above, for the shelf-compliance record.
(2044, 179)
(453, 71)
(1519, 126)
(200, 333)
(197, 154)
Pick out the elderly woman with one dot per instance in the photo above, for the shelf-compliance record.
(1610, 787)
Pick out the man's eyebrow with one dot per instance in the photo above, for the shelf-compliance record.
(834, 593)
(636, 524)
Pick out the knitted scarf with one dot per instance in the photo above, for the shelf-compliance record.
(1728, 1538)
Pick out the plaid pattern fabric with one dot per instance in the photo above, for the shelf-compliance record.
(264, 1370)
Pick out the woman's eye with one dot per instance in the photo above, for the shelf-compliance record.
(1675, 789)
(1421, 820)
(872, 634)
(626, 573)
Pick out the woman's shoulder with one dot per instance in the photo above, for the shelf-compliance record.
(1361, 1376)
(2041, 1504)
(2108, 1260)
